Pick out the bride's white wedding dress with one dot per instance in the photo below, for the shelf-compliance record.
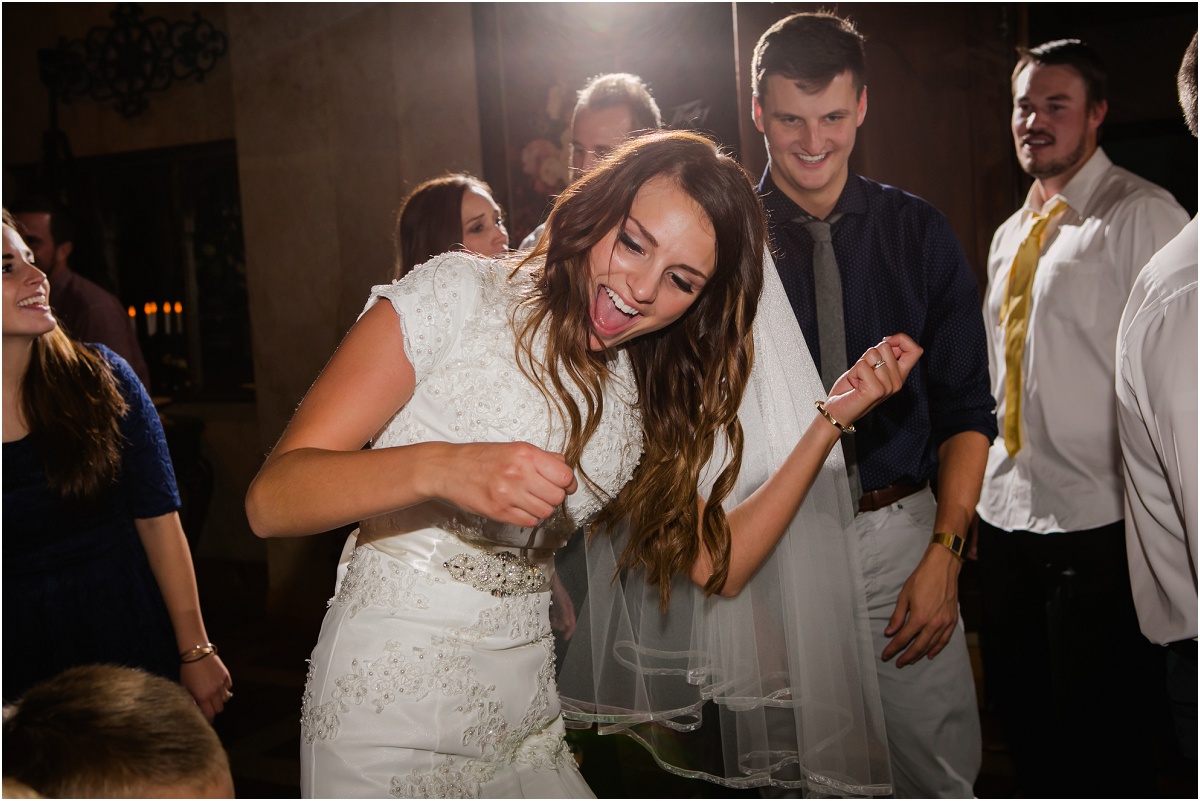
(434, 672)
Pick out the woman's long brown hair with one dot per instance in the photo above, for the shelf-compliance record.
(73, 408)
(430, 219)
(690, 375)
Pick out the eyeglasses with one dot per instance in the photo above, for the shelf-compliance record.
(579, 156)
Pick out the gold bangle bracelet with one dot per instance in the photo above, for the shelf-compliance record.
(197, 652)
(821, 408)
(952, 541)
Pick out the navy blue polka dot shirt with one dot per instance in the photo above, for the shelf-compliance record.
(902, 270)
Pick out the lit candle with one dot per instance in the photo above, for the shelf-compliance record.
(167, 317)
(151, 311)
(133, 319)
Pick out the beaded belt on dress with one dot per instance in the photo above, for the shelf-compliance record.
(502, 573)
(501, 559)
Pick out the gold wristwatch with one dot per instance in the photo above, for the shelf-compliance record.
(952, 541)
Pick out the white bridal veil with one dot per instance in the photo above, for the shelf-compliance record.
(776, 686)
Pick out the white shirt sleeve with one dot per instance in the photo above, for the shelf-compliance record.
(1157, 418)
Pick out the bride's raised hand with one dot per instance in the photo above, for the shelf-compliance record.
(509, 482)
(876, 376)
(757, 522)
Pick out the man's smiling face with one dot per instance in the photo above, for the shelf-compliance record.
(810, 137)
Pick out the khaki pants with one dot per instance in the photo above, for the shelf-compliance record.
(929, 708)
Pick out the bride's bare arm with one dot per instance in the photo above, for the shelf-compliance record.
(757, 523)
(318, 477)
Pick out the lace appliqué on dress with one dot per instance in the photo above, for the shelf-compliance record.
(374, 580)
(531, 743)
(406, 672)
(455, 777)
(410, 672)
(414, 671)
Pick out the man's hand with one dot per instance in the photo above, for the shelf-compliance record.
(927, 608)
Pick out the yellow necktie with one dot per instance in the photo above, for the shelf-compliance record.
(1014, 313)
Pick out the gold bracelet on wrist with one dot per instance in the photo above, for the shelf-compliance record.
(197, 652)
(952, 541)
(821, 408)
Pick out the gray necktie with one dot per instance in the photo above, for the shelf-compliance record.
(827, 284)
(831, 324)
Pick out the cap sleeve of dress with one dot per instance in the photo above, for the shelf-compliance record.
(147, 476)
(433, 302)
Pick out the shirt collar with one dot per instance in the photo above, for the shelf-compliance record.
(781, 208)
(1079, 190)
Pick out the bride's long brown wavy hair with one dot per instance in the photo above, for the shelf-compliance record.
(690, 375)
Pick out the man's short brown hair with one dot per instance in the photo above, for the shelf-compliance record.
(102, 731)
(1186, 81)
(811, 49)
(1068, 53)
(621, 89)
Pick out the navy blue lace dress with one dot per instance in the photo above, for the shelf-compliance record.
(77, 585)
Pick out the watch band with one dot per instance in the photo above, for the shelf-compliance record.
(952, 541)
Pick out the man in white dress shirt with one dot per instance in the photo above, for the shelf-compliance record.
(1156, 392)
(1064, 661)
(608, 109)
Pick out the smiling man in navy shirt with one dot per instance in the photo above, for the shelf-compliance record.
(898, 268)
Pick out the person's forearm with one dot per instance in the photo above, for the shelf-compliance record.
(309, 490)
(757, 523)
(205, 677)
(171, 563)
(962, 460)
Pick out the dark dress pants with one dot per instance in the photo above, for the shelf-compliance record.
(1065, 664)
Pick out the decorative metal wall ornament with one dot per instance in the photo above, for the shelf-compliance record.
(133, 57)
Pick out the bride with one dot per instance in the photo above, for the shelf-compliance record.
(506, 405)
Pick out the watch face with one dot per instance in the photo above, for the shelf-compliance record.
(952, 541)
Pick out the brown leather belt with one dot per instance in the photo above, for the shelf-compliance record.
(886, 496)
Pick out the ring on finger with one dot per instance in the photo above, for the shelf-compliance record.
(878, 364)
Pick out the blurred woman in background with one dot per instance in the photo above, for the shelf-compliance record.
(453, 212)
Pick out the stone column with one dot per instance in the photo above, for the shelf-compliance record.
(339, 109)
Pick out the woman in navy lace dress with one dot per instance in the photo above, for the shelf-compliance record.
(96, 565)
